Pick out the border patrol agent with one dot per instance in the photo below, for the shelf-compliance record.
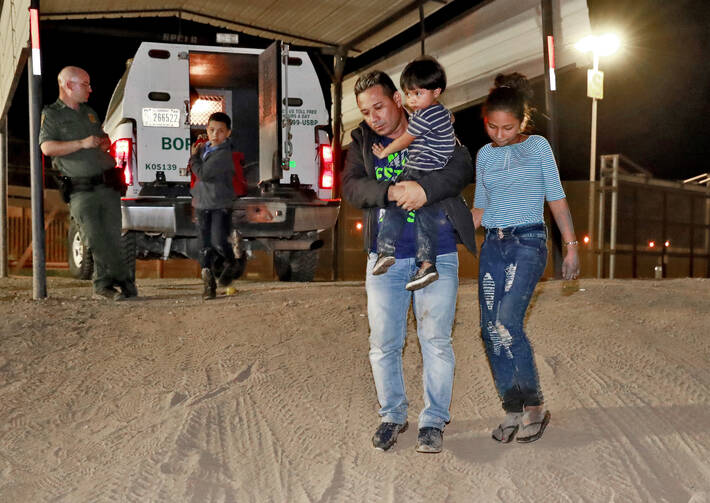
(71, 134)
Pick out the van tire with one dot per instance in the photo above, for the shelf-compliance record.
(81, 262)
(128, 253)
(296, 265)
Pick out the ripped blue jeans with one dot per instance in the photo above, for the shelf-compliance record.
(511, 263)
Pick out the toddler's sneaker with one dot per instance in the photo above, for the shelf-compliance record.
(424, 276)
(383, 263)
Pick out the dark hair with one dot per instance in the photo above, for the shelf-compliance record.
(511, 93)
(424, 73)
(372, 79)
(221, 117)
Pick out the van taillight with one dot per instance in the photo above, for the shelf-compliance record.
(121, 152)
(327, 176)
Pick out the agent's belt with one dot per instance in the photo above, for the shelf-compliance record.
(85, 183)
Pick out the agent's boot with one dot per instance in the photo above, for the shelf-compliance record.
(128, 290)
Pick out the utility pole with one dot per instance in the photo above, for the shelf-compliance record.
(34, 84)
(341, 55)
(548, 44)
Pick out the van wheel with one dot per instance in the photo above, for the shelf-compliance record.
(81, 263)
(296, 265)
(128, 253)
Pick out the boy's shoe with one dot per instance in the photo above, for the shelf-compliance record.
(430, 440)
(227, 276)
(386, 435)
(210, 290)
(383, 263)
(424, 276)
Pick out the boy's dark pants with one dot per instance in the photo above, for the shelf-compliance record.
(425, 225)
(214, 227)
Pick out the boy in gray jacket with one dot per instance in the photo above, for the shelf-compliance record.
(213, 196)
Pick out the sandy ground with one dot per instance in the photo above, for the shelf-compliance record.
(267, 396)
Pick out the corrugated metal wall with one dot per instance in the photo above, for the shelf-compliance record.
(14, 38)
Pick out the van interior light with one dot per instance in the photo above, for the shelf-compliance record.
(585, 240)
(203, 107)
(651, 244)
(667, 243)
(358, 226)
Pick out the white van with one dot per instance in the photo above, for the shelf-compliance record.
(279, 121)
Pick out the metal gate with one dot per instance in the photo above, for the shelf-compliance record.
(658, 228)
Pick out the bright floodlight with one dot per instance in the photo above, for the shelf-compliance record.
(603, 45)
(607, 44)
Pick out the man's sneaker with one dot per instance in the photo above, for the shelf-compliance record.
(430, 440)
(105, 294)
(383, 263)
(424, 276)
(128, 290)
(210, 285)
(386, 435)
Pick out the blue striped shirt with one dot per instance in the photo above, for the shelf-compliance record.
(434, 142)
(513, 182)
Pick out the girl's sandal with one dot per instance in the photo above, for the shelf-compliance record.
(533, 430)
(506, 431)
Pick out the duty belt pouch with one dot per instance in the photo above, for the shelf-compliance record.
(113, 177)
(65, 187)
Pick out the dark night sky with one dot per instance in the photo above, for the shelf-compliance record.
(655, 108)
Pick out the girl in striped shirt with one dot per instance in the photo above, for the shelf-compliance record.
(515, 174)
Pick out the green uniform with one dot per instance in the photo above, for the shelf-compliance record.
(97, 212)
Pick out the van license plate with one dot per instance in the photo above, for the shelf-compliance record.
(161, 117)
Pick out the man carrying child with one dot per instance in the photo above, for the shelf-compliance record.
(367, 184)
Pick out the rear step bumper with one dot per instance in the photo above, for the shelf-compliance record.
(252, 216)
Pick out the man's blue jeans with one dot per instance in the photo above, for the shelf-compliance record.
(434, 307)
(511, 263)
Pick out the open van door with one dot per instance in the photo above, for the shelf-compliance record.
(162, 89)
(270, 117)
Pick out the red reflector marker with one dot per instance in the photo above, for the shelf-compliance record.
(34, 35)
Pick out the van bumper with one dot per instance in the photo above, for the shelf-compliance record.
(168, 217)
(262, 217)
(253, 217)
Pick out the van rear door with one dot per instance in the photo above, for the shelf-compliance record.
(160, 75)
(270, 116)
